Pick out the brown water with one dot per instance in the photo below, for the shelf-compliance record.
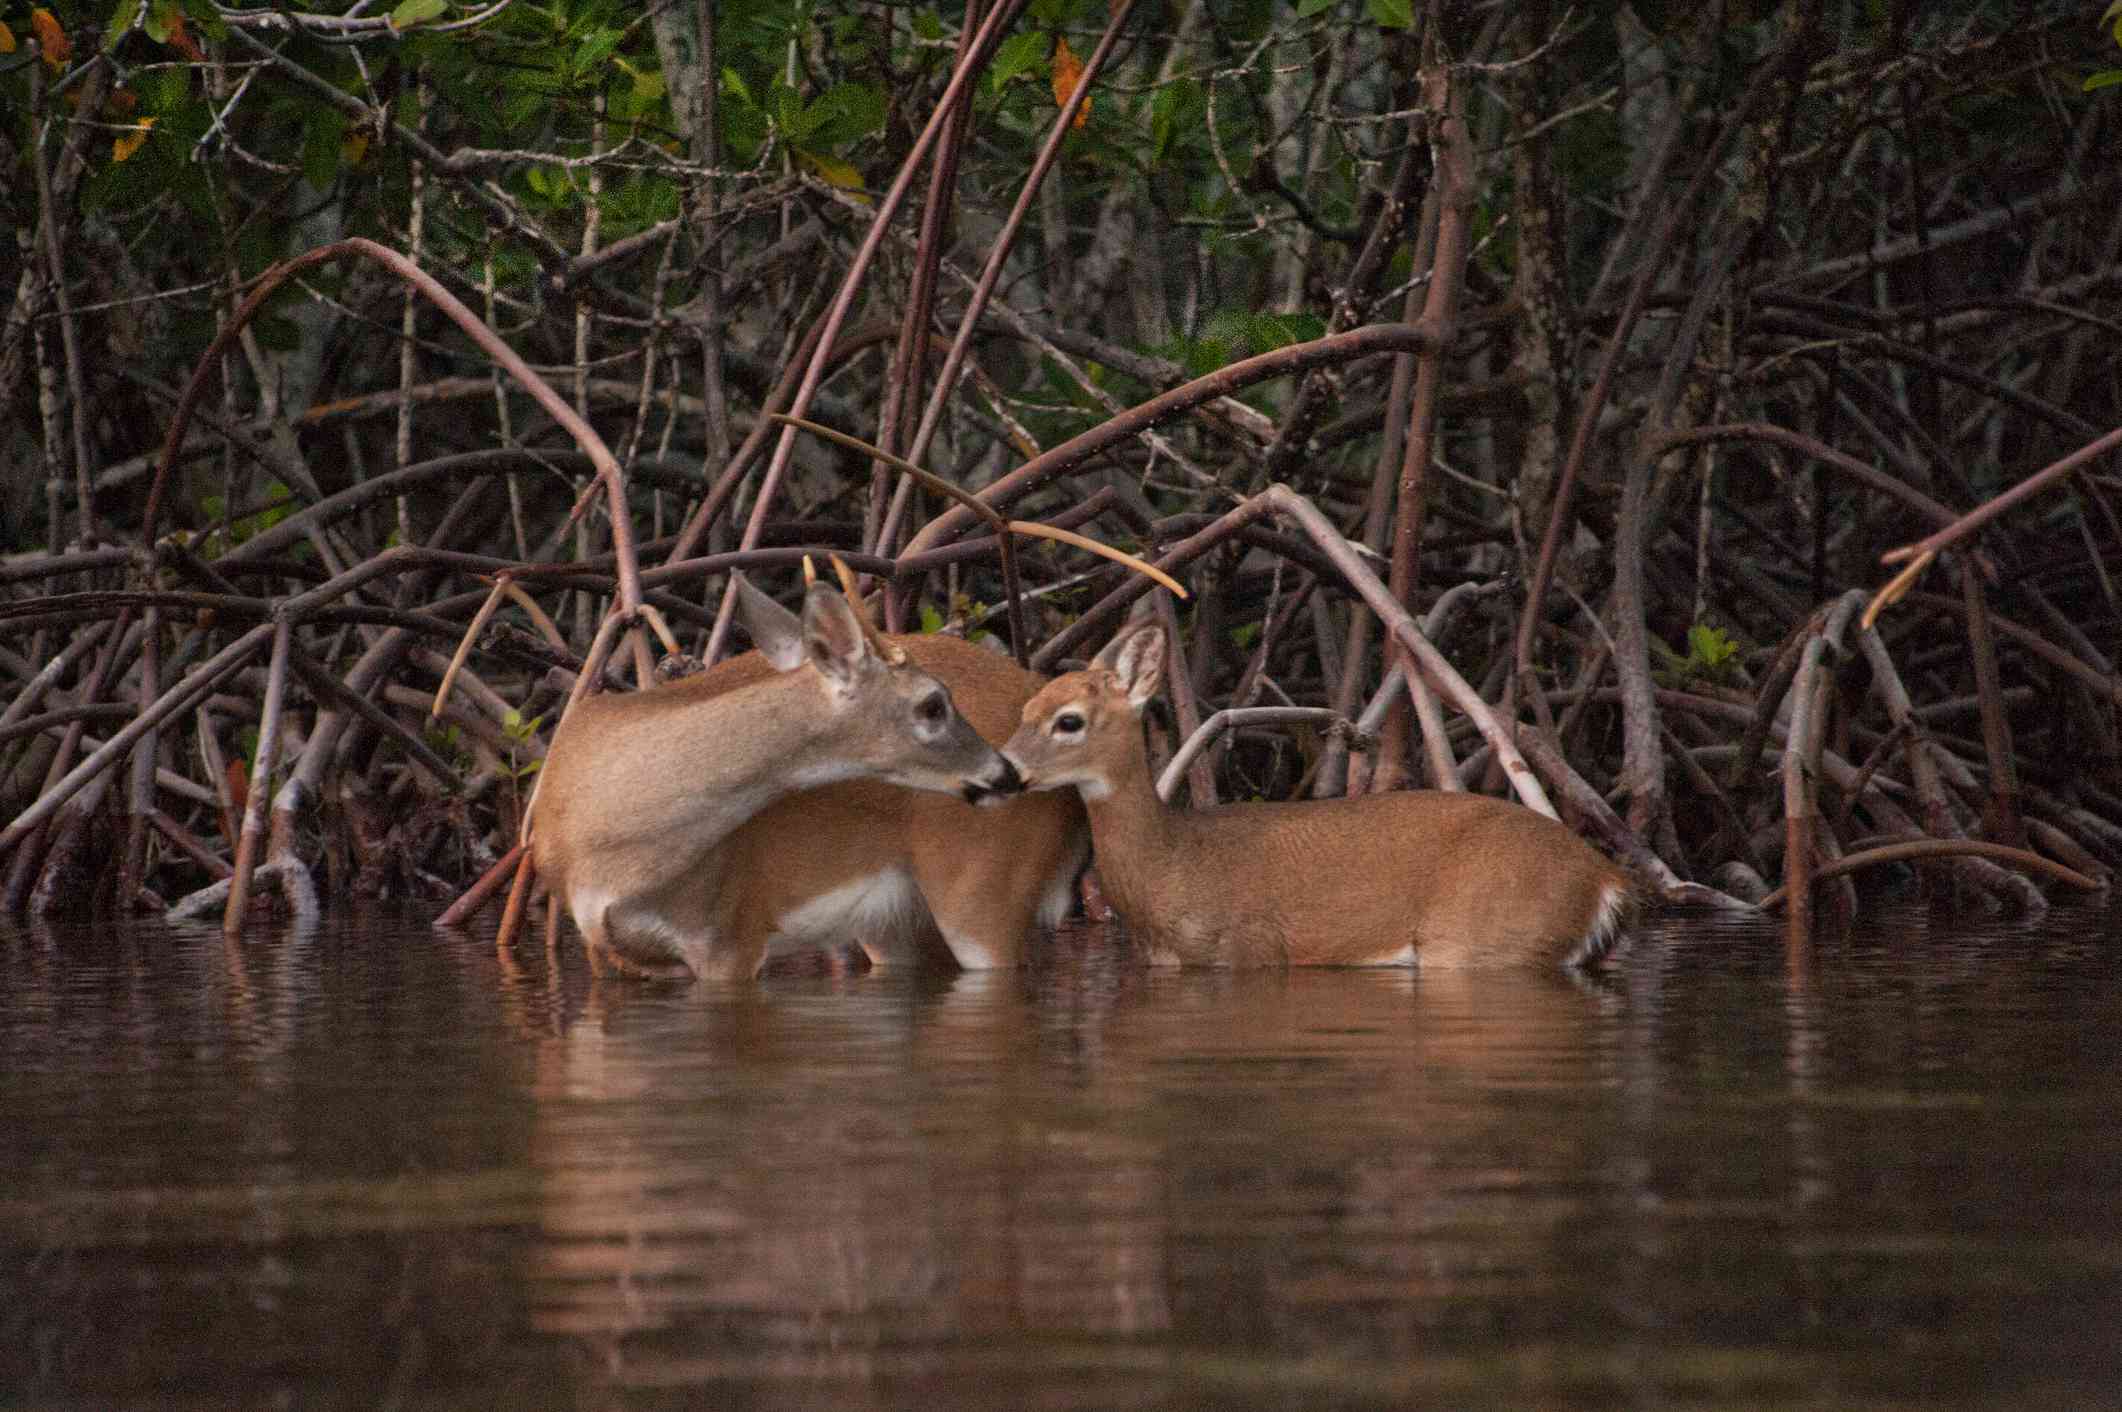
(377, 1167)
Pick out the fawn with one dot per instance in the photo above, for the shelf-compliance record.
(1412, 878)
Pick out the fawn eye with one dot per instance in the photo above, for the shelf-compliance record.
(933, 709)
(1069, 723)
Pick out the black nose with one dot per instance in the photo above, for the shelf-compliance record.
(1010, 782)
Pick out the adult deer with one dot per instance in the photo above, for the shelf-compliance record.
(887, 868)
(1413, 878)
(641, 788)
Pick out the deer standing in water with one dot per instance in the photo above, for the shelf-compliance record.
(1417, 877)
(890, 869)
(641, 788)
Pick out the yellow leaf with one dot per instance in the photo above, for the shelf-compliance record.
(838, 173)
(354, 148)
(51, 38)
(128, 142)
(1068, 72)
(7, 39)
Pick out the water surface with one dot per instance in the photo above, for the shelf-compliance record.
(382, 1166)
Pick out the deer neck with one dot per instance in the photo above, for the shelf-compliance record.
(787, 738)
(1135, 834)
(702, 767)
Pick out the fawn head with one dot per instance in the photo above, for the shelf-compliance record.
(1080, 729)
(897, 723)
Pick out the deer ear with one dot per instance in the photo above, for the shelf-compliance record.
(833, 638)
(1136, 657)
(775, 631)
(1108, 657)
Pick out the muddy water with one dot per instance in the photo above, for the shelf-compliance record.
(379, 1167)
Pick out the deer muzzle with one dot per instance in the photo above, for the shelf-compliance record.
(996, 788)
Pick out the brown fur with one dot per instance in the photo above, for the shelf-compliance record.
(640, 789)
(1464, 880)
(980, 873)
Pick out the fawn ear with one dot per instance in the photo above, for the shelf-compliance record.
(834, 638)
(1136, 657)
(775, 631)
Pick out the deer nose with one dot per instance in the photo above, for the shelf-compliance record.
(996, 790)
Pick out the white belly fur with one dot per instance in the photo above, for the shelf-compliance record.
(878, 909)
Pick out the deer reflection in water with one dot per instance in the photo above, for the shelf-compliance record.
(839, 1178)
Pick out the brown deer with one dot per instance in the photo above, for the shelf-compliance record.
(1413, 878)
(890, 869)
(641, 788)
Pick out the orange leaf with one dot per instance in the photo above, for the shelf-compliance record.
(1068, 72)
(180, 39)
(128, 142)
(7, 39)
(239, 787)
(51, 39)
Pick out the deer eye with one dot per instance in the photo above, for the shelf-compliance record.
(1069, 723)
(933, 709)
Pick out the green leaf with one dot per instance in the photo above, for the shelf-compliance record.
(522, 106)
(848, 37)
(121, 24)
(414, 12)
(283, 501)
(1267, 332)
(1709, 646)
(1392, 14)
(323, 141)
(162, 89)
(2106, 78)
(592, 52)
(1201, 356)
(844, 114)
(1307, 8)
(789, 114)
(931, 620)
(205, 17)
(1173, 112)
(648, 86)
(743, 131)
(1019, 54)
(641, 202)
